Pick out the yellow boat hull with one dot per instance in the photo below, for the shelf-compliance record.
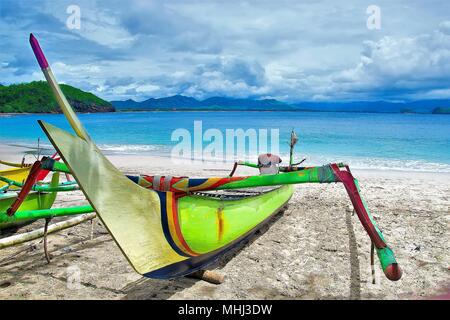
(16, 174)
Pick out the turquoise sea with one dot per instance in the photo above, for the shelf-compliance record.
(384, 141)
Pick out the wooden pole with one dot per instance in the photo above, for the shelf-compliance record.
(24, 237)
(47, 255)
(208, 276)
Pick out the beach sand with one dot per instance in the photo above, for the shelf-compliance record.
(316, 249)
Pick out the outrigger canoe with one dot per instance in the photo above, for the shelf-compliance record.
(31, 198)
(162, 226)
(11, 181)
(35, 200)
(19, 172)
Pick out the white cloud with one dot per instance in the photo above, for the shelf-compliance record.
(287, 49)
(97, 23)
(82, 70)
(400, 65)
(147, 88)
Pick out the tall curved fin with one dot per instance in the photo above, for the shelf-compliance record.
(130, 213)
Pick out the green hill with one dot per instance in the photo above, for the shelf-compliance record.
(36, 97)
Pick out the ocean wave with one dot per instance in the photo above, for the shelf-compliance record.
(131, 148)
(376, 163)
(107, 148)
(363, 163)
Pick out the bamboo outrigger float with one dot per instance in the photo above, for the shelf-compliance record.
(168, 226)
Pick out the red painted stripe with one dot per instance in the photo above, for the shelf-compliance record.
(26, 188)
(347, 179)
(222, 182)
(161, 183)
(174, 181)
(177, 226)
(43, 174)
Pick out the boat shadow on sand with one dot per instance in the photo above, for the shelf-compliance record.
(29, 257)
(17, 267)
(18, 264)
(145, 288)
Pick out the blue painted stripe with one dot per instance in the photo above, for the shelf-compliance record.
(165, 224)
(196, 182)
(135, 179)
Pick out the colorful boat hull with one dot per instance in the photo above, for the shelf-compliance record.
(200, 224)
(156, 230)
(210, 227)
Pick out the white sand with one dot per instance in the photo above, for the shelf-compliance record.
(315, 250)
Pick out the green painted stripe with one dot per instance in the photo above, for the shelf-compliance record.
(386, 256)
(45, 213)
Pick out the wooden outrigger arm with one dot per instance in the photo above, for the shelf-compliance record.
(333, 173)
(31, 180)
(387, 259)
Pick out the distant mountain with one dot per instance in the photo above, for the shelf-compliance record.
(428, 106)
(249, 104)
(130, 103)
(441, 110)
(422, 106)
(179, 102)
(355, 106)
(36, 97)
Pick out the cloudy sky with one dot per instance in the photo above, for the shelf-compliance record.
(290, 50)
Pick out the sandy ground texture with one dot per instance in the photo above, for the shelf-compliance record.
(316, 249)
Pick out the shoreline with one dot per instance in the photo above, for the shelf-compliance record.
(14, 153)
(229, 110)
